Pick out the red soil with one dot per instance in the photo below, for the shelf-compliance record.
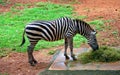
(17, 63)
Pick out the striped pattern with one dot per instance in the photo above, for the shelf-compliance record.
(56, 29)
(63, 28)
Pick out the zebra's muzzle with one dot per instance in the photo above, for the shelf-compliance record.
(94, 47)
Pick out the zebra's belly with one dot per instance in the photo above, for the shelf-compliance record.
(53, 39)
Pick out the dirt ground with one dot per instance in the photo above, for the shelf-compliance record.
(17, 63)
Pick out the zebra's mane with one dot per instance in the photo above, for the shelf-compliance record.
(85, 23)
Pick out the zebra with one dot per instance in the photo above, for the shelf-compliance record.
(63, 28)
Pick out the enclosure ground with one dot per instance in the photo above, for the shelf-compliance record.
(60, 63)
(17, 63)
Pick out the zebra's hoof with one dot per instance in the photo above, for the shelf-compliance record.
(33, 63)
(67, 57)
(74, 58)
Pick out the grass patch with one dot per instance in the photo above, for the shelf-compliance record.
(115, 33)
(78, 40)
(75, 2)
(99, 24)
(81, 17)
(104, 54)
(4, 52)
(51, 52)
(4, 74)
(3, 2)
(12, 24)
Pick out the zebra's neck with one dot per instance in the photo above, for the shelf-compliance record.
(83, 28)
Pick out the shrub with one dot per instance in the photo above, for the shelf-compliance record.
(104, 54)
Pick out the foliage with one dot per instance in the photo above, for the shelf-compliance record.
(104, 54)
(13, 22)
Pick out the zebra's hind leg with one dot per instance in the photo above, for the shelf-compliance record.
(66, 46)
(31, 58)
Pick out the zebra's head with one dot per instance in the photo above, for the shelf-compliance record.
(92, 41)
(89, 33)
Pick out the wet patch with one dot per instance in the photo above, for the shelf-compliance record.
(60, 63)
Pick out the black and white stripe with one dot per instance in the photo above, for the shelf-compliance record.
(63, 28)
(56, 30)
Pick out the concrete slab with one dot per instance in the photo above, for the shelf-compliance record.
(61, 64)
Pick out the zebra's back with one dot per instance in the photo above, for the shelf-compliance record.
(47, 30)
(40, 30)
(50, 30)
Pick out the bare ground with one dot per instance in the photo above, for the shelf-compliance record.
(17, 63)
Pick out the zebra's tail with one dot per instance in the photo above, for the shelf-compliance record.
(23, 39)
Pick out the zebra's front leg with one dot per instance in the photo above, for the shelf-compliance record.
(66, 46)
(31, 59)
(71, 48)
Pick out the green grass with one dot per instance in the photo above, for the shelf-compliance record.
(4, 74)
(104, 54)
(99, 24)
(81, 17)
(12, 25)
(13, 22)
(51, 52)
(115, 33)
(3, 2)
